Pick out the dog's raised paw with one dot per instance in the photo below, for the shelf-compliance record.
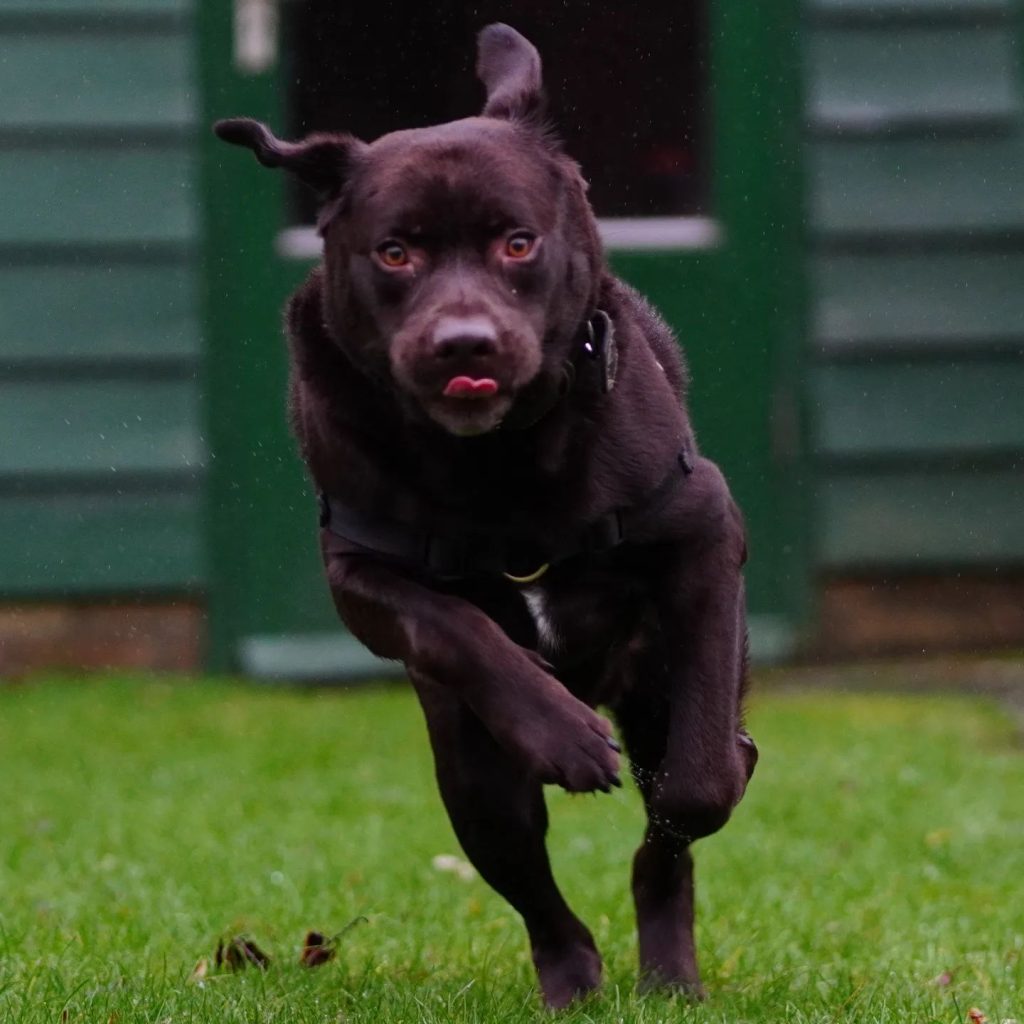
(586, 757)
(565, 743)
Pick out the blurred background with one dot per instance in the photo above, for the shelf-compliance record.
(825, 199)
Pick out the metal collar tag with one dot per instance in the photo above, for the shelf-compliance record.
(601, 347)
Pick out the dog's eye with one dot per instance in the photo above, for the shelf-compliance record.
(392, 254)
(520, 245)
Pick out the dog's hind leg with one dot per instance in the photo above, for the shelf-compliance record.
(500, 818)
(682, 723)
(663, 866)
(681, 808)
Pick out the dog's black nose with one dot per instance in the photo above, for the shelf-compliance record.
(465, 336)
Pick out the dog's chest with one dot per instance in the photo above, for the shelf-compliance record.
(539, 605)
(576, 619)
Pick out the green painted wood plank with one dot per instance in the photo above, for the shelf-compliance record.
(914, 409)
(920, 299)
(879, 78)
(922, 521)
(98, 313)
(113, 543)
(922, 186)
(101, 427)
(46, 7)
(903, 8)
(96, 80)
(101, 195)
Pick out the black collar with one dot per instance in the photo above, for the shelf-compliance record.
(593, 362)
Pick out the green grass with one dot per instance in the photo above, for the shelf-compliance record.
(881, 844)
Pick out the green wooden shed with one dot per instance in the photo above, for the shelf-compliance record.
(915, 355)
(824, 199)
(102, 454)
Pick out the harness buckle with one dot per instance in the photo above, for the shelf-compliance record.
(605, 534)
(446, 556)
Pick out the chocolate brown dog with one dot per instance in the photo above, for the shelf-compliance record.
(512, 503)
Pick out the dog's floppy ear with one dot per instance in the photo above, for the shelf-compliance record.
(321, 160)
(509, 66)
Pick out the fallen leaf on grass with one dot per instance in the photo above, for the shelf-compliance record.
(318, 949)
(199, 972)
(238, 953)
(975, 1016)
(943, 980)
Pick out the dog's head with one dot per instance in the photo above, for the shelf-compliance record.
(460, 259)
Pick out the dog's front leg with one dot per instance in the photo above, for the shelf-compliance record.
(683, 727)
(558, 738)
(499, 816)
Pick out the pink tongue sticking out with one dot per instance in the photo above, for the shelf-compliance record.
(469, 387)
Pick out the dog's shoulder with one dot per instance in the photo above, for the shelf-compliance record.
(311, 351)
(640, 322)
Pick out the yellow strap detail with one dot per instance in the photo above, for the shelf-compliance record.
(532, 578)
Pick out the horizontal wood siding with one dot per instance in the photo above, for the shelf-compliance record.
(916, 190)
(915, 156)
(911, 75)
(72, 542)
(103, 313)
(895, 12)
(933, 410)
(918, 301)
(81, 427)
(101, 9)
(922, 519)
(77, 195)
(101, 466)
(91, 84)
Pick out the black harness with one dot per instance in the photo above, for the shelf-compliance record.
(490, 552)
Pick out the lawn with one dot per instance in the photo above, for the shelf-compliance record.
(874, 872)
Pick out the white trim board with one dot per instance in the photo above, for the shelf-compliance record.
(635, 234)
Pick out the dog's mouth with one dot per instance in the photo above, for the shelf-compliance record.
(468, 406)
(465, 372)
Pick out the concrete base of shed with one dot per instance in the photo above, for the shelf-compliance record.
(858, 618)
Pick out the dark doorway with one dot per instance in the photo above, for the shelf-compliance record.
(627, 85)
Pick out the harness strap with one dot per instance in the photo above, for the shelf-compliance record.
(482, 553)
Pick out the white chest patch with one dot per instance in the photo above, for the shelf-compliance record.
(537, 602)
